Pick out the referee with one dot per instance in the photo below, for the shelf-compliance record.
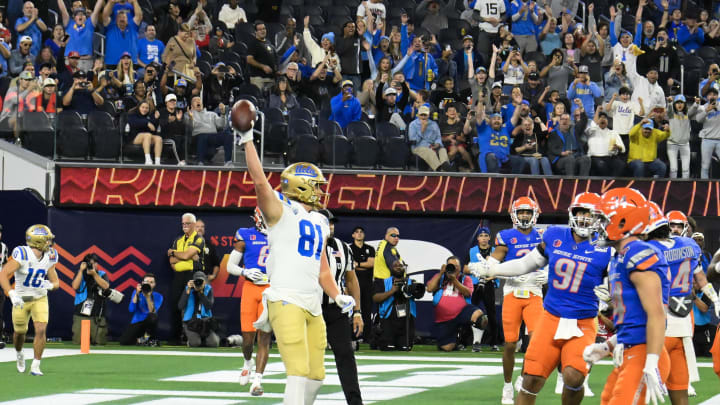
(339, 333)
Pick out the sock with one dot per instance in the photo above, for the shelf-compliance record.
(157, 160)
(477, 334)
(294, 390)
(18, 352)
(35, 363)
(148, 159)
(311, 390)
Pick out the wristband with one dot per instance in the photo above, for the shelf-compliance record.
(357, 313)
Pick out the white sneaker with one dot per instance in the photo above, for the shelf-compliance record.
(559, 385)
(256, 388)
(246, 372)
(588, 391)
(691, 391)
(35, 370)
(20, 362)
(507, 394)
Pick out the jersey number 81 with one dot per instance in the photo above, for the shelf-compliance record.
(311, 239)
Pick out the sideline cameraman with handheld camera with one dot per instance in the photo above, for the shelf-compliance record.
(144, 305)
(196, 306)
(91, 291)
(396, 297)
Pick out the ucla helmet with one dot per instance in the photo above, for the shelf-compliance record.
(39, 237)
(301, 182)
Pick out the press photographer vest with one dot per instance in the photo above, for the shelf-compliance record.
(190, 307)
(340, 259)
(184, 243)
(386, 307)
(381, 269)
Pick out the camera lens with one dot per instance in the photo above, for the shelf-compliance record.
(146, 288)
(449, 267)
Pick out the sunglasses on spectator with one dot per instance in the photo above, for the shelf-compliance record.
(394, 235)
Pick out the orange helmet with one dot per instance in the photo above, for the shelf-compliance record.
(623, 212)
(580, 225)
(524, 204)
(259, 221)
(657, 219)
(678, 218)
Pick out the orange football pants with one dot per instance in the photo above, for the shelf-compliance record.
(516, 310)
(623, 385)
(251, 305)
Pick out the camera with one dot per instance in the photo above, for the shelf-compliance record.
(450, 268)
(198, 282)
(413, 290)
(146, 288)
(113, 295)
(83, 84)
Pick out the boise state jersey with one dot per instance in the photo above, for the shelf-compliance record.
(256, 248)
(574, 269)
(32, 271)
(629, 316)
(518, 245)
(682, 256)
(296, 246)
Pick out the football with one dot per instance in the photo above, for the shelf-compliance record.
(242, 116)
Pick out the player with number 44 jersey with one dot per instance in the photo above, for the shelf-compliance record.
(31, 264)
(575, 267)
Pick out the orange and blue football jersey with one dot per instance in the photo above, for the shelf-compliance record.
(574, 269)
(256, 248)
(518, 243)
(629, 315)
(682, 255)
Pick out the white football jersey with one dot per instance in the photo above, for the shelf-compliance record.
(293, 265)
(490, 9)
(32, 271)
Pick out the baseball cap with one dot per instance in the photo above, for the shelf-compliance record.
(424, 110)
(181, 83)
(331, 218)
(49, 82)
(679, 97)
(390, 90)
(467, 37)
(26, 75)
(170, 97)
(480, 69)
(483, 229)
(347, 83)
(73, 54)
(648, 125)
(497, 84)
(583, 69)
(525, 102)
(25, 38)
(80, 10)
(125, 55)
(493, 115)
(80, 74)
(534, 76)
(199, 275)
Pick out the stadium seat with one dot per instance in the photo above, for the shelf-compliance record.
(328, 129)
(336, 150)
(709, 54)
(38, 134)
(385, 131)
(73, 142)
(338, 11)
(357, 129)
(299, 127)
(304, 148)
(105, 137)
(301, 114)
(694, 62)
(366, 152)
(276, 139)
(275, 116)
(395, 153)
(307, 102)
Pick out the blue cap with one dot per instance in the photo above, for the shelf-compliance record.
(483, 229)
(219, 64)
(384, 37)
(525, 102)
(679, 97)
(330, 37)
(181, 82)
(495, 115)
(480, 69)
(648, 125)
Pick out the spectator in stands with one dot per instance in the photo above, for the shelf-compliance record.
(27, 67)
(57, 40)
(434, 17)
(420, 70)
(200, 25)
(219, 43)
(709, 116)
(376, 9)
(679, 117)
(144, 131)
(592, 53)
(451, 291)
(286, 39)
(172, 125)
(232, 14)
(491, 16)
(445, 62)
(45, 58)
(527, 143)
(455, 138)
(533, 89)
(624, 49)
(322, 85)
(712, 81)
(169, 22)
(218, 85)
(21, 55)
(514, 70)
(466, 61)
(675, 23)
(30, 25)
(348, 49)
(326, 49)
(712, 34)
(494, 101)
(196, 306)
(494, 144)
(144, 304)
(691, 36)
(67, 72)
(623, 112)
(558, 72)
(480, 86)
(584, 90)
(524, 17)
(124, 75)
(345, 107)
(663, 56)
(80, 31)
(180, 90)
(81, 96)
(121, 32)
(138, 95)
(604, 146)
(46, 100)
(564, 150)
(294, 77)
(5, 52)
(179, 54)
(642, 157)
(445, 95)
(366, 97)
(205, 128)
(282, 96)
(426, 142)
(649, 91)
(261, 59)
(13, 105)
(615, 79)
(150, 49)
(550, 36)
(389, 107)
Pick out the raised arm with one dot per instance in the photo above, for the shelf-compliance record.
(267, 201)
(96, 11)
(63, 12)
(138, 12)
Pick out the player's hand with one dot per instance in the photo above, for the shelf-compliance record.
(602, 292)
(15, 299)
(245, 137)
(596, 352)
(254, 275)
(480, 269)
(655, 389)
(345, 302)
(522, 278)
(618, 353)
(541, 278)
(47, 285)
(358, 324)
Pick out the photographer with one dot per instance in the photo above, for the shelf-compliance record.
(89, 284)
(143, 306)
(196, 306)
(451, 291)
(82, 97)
(396, 297)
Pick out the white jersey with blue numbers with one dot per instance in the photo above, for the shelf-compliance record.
(293, 265)
(32, 271)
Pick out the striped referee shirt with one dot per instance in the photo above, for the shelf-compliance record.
(340, 259)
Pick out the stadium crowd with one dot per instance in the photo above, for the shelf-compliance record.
(485, 85)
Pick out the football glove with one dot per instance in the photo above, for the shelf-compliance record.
(15, 299)
(541, 278)
(46, 284)
(602, 293)
(244, 137)
(480, 268)
(256, 276)
(345, 302)
(596, 352)
(655, 389)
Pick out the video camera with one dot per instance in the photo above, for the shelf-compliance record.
(410, 289)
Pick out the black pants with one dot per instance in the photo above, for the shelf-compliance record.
(365, 279)
(136, 330)
(485, 294)
(607, 166)
(2, 308)
(703, 338)
(396, 334)
(339, 336)
(179, 282)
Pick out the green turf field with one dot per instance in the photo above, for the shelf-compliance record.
(175, 375)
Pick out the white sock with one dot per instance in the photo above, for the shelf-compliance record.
(148, 159)
(294, 390)
(477, 334)
(311, 390)
(157, 160)
(36, 363)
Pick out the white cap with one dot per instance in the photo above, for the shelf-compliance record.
(390, 90)
(25, 38)
(170, 97)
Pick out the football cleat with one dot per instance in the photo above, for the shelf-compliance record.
(35, 370)
(246, 372)
(507, 394)
(256, 388)
(21, 362)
